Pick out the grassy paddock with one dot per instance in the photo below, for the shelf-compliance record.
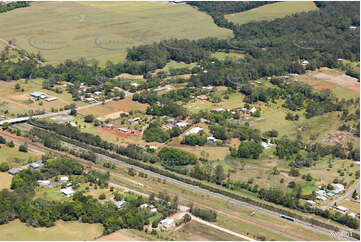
(103, 30)
(5, 180)
(271, 11)
(61, 231)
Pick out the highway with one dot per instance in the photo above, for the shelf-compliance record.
(340, 236)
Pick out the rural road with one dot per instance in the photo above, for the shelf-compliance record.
(342, 198)
(223, 197)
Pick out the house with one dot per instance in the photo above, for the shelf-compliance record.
(194, 130)
(67, 191)
(38, 95)
(211, 139)
(342, 209)
(97, 93)
(253, 110)
(172, 120)
(310, 203)
(134, 119)
(203, 97)
(339, 59)
(208, 87)
(64, 179)
(109, 125)
(330, 194)
(120, 204)
(144, 206)
(167, 223)
(321, 198)
(352, 215)
(353, 27)
(305, 63)
(43, 183)
(16, 170)
(266, 145)
(320, 193)
(338, 188)
(166, 87)
(134, 84)
(153, 147)
(50, 99)
(90, 100)
(35, 165)
(153, 210)
(168, 126)
(124, 130)
(219, 110)
(181, 125)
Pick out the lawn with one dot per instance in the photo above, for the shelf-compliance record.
(16, 101)
(5, 180)
(271, 11)
(14, 157)
(102, 30)
(16, 230)
(195, 231)
(222, 55)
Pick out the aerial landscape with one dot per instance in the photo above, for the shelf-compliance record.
(180, 120)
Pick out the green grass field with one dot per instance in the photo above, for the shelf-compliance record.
(14, 157)
(271, 11)
(102, 30)
(16, 230)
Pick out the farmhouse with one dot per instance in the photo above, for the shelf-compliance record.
(320, 193)
(338, 188)
(38, 95)
(64, 179)
(342, 209)
(35, 165)
(167, 223)
(203, 97)
(124, 130)
(352, 215)
(67, 191)
(43, 183)
(194, 130)
(90, 100)
(321, 198)
(97, 93)
(153, 210)
(50, 99)
(310, 203)
(253, 110)
(181, 125)
(219, 110)
(120, 204)
(211, 139)
(134, 119)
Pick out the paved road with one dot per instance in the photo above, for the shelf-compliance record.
(342, 198)
(220, 196)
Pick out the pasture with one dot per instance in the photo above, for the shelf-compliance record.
(102, 30)
(5, 180)
(271, 11)
(61, 231)
(13, 102)
(14, 157)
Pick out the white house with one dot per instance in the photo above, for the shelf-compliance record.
(120, 204)
(153, 210)
(194, 130)
(352, 215)
(134, 119)
(167, 223)
(64, 179)
(35, 165)
(253, 110)
(219, 110)
(43, 182)
(330, 194)
(321, 198)
(67, 191)
(320, 193)
(305, 63)
(144, 206)
(211, 139)
(342, 209)
(181, 125)
(310, 203)
(338, 188)
(97, 93)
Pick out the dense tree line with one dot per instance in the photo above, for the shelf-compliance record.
(175, 157)
(13, 5)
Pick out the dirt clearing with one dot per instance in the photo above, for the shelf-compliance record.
(342, 80)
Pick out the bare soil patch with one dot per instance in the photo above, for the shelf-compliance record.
(320, 86)
(343, 80)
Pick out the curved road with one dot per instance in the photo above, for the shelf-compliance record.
(342, 198)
